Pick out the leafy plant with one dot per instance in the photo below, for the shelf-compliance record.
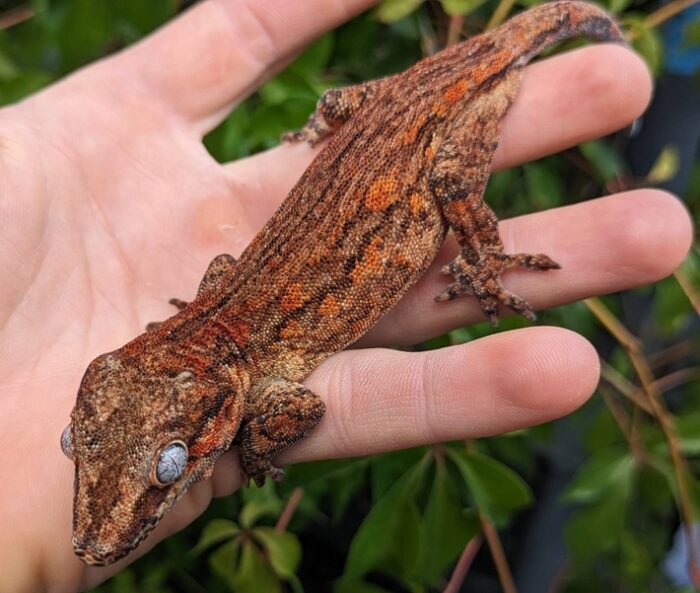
(400, 522)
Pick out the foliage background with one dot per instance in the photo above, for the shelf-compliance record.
(590, 502)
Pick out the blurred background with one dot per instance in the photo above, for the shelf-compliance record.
(603, 500)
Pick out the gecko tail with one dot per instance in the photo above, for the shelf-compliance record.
(534, 30)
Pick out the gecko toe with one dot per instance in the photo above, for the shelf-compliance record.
(482, 279)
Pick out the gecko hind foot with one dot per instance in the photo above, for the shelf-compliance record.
(179, 304)
(482, 279)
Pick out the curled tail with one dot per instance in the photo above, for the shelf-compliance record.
(532, 31)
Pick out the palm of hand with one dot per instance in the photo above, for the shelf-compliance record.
(99, 226)
(110, 204)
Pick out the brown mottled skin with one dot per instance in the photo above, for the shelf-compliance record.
(407, 160)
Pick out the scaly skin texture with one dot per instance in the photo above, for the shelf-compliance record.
(407, 160)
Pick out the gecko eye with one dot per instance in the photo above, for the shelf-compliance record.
(66, 444)
(171, 464)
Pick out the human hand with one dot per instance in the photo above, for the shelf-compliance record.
(111, 205)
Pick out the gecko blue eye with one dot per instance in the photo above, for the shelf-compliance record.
(171, 463)
(66, 444)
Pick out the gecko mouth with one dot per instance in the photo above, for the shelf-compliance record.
(98, 551)
(95, 546)
(101, 555)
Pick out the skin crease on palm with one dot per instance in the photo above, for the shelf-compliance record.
(110, 205)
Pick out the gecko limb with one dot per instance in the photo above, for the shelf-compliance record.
(220, 267)
(333, 109)
(457, 181)
(281, 413)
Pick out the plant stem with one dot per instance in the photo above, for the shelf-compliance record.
(494, 541)
(454, 29)
(500, 14)
(611, 376)
(290, 507)
(624, 422)
(667, 11)
(499, 557)
(463, 564)
(15, 17)
(688, 288)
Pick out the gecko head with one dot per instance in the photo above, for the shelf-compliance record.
(139, 440)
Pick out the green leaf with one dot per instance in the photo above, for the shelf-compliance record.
(124, 582)
(254, 574)
(137, 18)
(618, 6)
(255, 509)
(461, 7)
(388, 538)
(599, 527)
(647, 41)
(23, 85)
(666, 165)
(283, 550)
(225, 559)
(388, 468)
(315, 57)
(544, 184)
(346, 585)
(691, 33)
(85, 32)
(215, 532)
(688, 427)
(598, 475)
(605, 161)
(446, 527)
(390, 11)
(496, 489)
(288, 85)
(8, 69)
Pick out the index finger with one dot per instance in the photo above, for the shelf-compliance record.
(220, 50)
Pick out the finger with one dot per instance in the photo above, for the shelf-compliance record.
(383, 400)
(603, 246)
(563, 100)
(548, 114)
(221, 50)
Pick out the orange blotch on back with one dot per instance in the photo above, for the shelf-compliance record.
(417, 202)
(440, 109)
(329, 306)
(292, 330)
(371, 262)
(456, 91)
(253, 303)
(294, 298)
(409, 136)
(383, 192)
(238, 330)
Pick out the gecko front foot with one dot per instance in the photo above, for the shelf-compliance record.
(482, 279)
(283, 412)
(260, 472)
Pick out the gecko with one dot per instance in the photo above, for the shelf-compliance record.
(405, 161)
